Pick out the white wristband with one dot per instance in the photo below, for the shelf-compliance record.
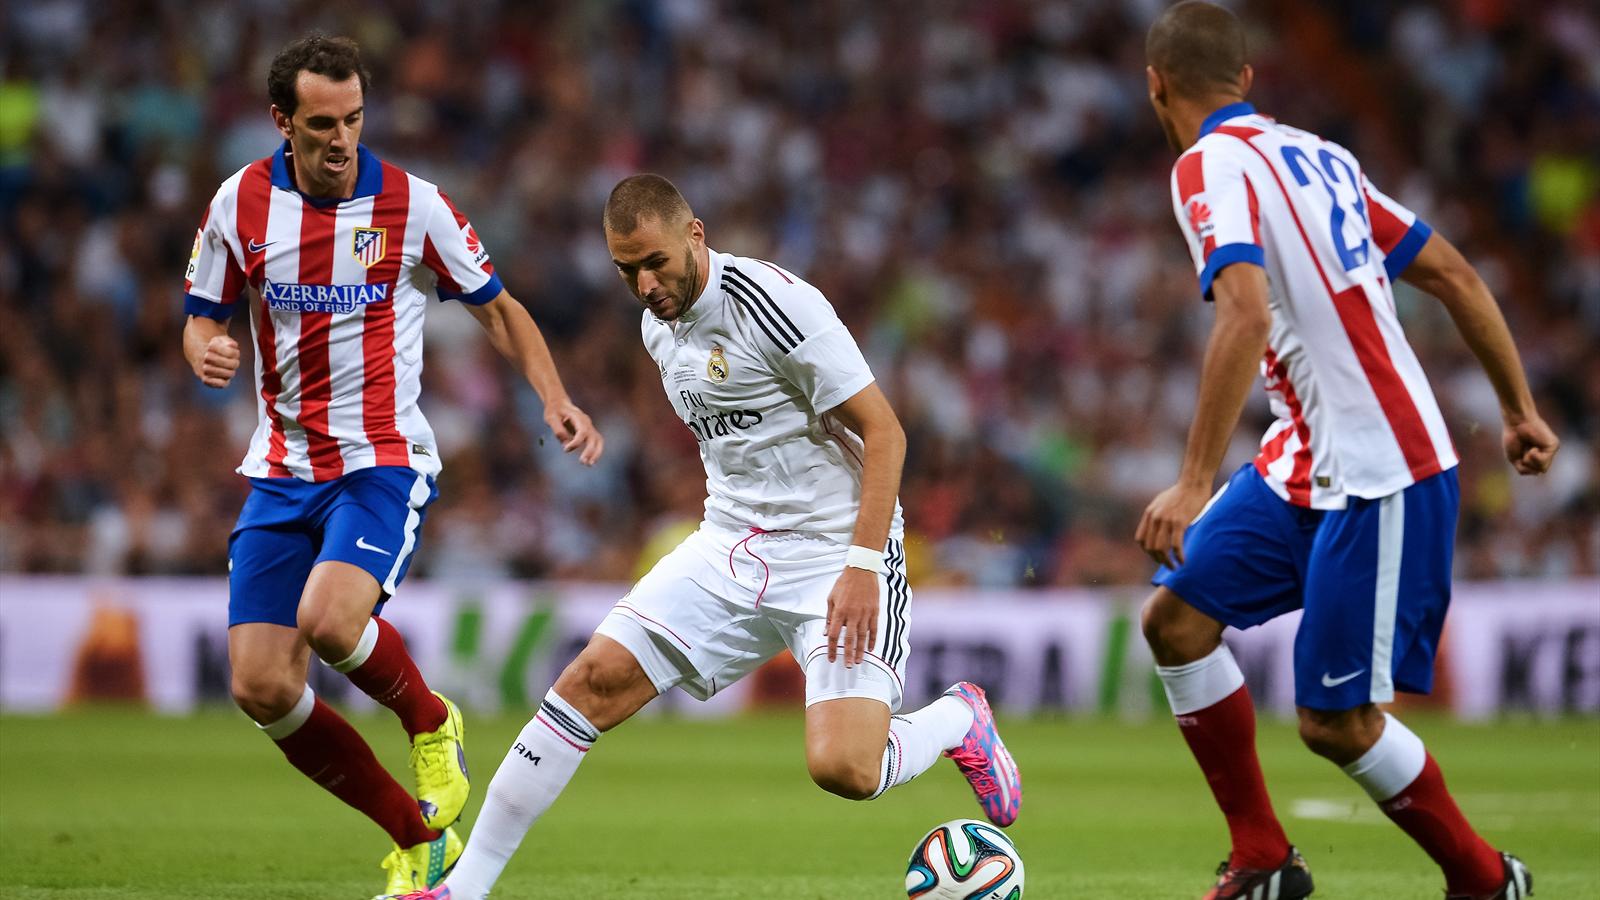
(859, 557)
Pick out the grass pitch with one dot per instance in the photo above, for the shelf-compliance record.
(114, 804)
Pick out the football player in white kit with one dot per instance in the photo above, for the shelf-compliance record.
(801, 546)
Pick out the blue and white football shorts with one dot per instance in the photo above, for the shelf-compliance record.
(370, 518)
(1373, 579)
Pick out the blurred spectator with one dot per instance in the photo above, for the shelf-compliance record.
(979, 188)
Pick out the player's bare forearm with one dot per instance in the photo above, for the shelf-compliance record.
(212, 355)
(1233, 354)
(869, 414)
(1442, 271)
(513, 333)
(197, 332)
(1244, 322)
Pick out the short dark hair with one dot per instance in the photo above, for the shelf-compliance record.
(643, 196)
(336, 57)
(1198, 46)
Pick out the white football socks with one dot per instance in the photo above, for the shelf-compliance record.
(917, 739)
(1392, 763)
(535, 771)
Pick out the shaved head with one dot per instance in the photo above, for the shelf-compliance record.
(657, 245)
(1198, 47)
(644, 197)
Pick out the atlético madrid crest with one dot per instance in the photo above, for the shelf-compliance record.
(368, 245)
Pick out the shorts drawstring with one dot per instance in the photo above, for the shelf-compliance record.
(766, 577)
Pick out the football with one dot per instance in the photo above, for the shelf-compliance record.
(965, 860)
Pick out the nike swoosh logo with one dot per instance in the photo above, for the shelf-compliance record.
(257, 248)
(1335, 682)
(361, 542)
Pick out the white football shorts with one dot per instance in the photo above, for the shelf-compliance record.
(724, 602)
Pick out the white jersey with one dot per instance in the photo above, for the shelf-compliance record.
(1355, 414)
(340, 290)
(753, 368)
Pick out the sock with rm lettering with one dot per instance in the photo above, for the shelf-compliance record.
(541, 762)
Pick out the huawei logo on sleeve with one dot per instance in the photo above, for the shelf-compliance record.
(1199, 217)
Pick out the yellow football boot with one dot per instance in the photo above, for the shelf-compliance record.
(413, 869)
(439, 762)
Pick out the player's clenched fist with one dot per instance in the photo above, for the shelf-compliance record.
(219, 362)
(1531, 446)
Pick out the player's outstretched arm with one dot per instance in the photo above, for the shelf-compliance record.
(853, 604)
(512, 332)
(212, 355)
(1442, 271)
(1238, 339)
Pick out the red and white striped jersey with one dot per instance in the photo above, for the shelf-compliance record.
(340, 289)
(1355, 414)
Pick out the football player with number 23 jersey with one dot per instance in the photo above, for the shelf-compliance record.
(1348, 511)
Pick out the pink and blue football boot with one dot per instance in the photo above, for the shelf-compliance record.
(983, 758)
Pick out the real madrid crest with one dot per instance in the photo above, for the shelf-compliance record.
(717, 366)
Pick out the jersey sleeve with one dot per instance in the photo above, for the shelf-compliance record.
(458, 259)
(1398, 232)
(214, 280)
(805, 341)
(1216, 207)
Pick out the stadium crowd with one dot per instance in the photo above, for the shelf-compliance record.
(979, 188)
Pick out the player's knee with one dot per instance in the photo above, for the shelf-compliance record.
(1153, 621)
(265, 698)
(1163, 630)
(1176, 632)
(601, 689)
(1341, 736)
(850, 779)
(1322, 737)
(331, 639)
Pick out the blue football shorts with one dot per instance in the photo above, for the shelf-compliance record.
(1373, 579)
(370, 518)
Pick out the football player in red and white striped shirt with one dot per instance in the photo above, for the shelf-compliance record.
(342, 253)
(1348, 511)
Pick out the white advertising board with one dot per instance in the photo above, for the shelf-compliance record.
(1508, 646)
